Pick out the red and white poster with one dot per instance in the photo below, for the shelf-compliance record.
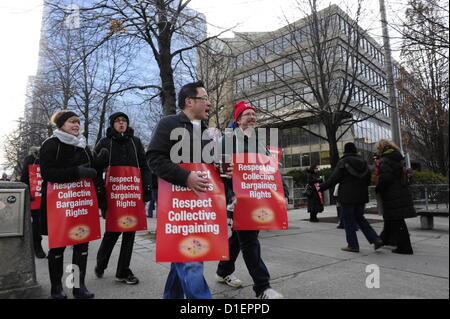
(192, 227)
(316, 186)
(72, 213)
(126, 207)
(34, 173)
(259, 193)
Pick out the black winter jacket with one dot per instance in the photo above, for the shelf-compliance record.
(29, 160)
(396, 198)
(124, 150)
(158, 153)
(353, 175)
(59, 164)
(314, 204)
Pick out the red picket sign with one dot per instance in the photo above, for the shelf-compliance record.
(316, 186)
(126, 207)
(259, 193)
(34, 173)
(72, 213)
(192, 227)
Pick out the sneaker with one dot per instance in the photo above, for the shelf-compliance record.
(269, 293)
(98, 273)
(129, 280)
(352, 250)
(378, 243)
(230, 280)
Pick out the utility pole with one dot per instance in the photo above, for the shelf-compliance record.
(395, 119)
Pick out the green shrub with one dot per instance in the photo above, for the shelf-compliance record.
(301, 177)
(429, 178)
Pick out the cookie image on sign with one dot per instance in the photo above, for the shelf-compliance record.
(79, 232)
(127, 221)
(263, 215)
(194, 247)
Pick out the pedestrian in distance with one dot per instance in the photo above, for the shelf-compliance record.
(353, 175)
(33, 159)
(246, 240)
(315, 205)
(395, 196)
(65, 157)
(185, 279)
(340, 224)
(122, 149)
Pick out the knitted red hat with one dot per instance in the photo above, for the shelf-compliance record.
(240, 107)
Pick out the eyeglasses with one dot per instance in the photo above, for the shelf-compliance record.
(203, 98)
(120, 120)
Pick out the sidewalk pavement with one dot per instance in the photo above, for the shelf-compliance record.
(305, 262)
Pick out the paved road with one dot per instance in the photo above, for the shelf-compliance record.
(305, 262)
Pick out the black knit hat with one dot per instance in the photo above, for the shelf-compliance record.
(113, 116)
(64, 117)
(350, 148)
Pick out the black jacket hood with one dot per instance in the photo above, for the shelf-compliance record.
(355, 165)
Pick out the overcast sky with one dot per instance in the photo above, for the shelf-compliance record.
(20, 23)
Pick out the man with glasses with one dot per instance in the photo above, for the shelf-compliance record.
(185, 280)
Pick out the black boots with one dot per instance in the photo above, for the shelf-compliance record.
(38, 251)
(55, 269)
(82, 292)
(80, 259)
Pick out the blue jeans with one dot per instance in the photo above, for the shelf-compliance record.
(247, 241)
(353, 216)
(151, 205)
(185, 280)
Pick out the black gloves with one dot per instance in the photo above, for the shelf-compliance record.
(84, 171)
(101, 159)
(147, 193)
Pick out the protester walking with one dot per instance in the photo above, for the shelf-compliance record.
(315, 204)
(32, 161)
(246, 240)
(340, 224)
(185, 279)
(64, 157)
(353, 175)
(126, 154)
(395, 196)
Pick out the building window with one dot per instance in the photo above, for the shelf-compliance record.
(325, 158)
(296, 160)
(306, 160)
(315, 158)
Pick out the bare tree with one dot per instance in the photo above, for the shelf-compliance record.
(167, 27)
(424, 85)
(327, 59)
(215, 70)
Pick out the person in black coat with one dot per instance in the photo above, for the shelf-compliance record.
(33, 158)
(353, 175)
(396, 198)
(123, 149)
(315, 206)
(64, 157)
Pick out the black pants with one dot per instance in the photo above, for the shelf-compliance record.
(396, 231)
(106, 247)
(247, 241)
(56, 262)
(35, 227)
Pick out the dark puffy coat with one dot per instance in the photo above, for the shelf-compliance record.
(396, 198)
(59, 164)
(314, 204)
(124, 150)
(158, 153)
(353, 175)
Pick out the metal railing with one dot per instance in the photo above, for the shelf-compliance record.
(426, 196)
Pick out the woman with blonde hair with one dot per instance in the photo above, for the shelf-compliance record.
(396, 198)
(64, 157)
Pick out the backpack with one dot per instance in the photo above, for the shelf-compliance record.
(407, 175)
